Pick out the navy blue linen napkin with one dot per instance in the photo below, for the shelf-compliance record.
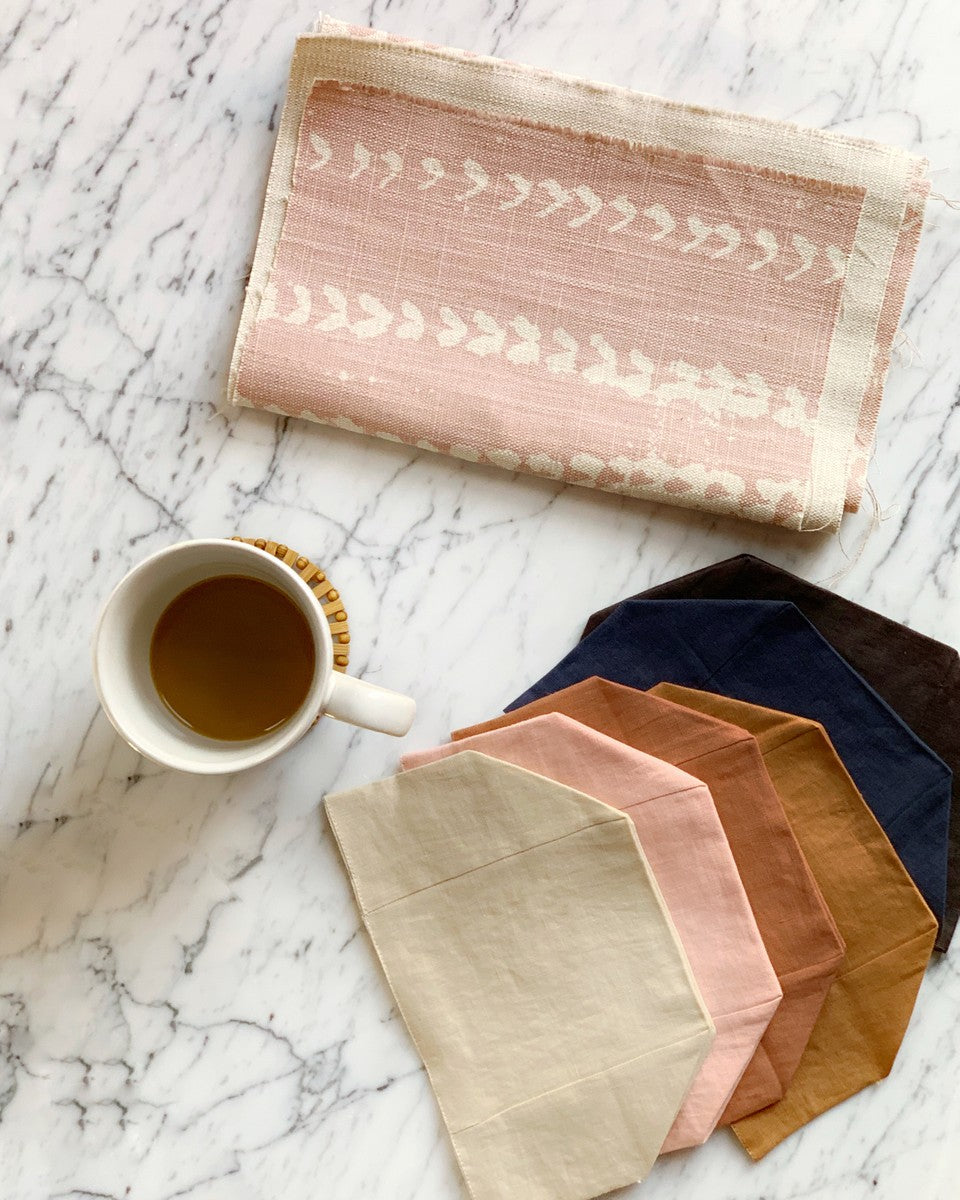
(767, 652)
(918, 676)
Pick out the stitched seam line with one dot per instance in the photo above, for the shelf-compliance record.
(693, 1037)
(926, 935)
(483, 866)
(939, 785)
(826, 966)
(812, 727)
(711, 674)
(707, 753)
(663, 796)
(745, 646)
(745, 1012)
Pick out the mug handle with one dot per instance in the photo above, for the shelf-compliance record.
(371, 707)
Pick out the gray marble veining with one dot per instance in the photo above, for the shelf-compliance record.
(187, 1005)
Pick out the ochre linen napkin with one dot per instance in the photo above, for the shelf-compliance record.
(562, 277)
(797, 929)
(768, 653)
(918, 677)
(527, 945)
(888, 929)
(682, 838)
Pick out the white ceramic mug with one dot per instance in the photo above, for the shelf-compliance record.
(121, 663)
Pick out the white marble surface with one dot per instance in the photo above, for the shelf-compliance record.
(187, 1007)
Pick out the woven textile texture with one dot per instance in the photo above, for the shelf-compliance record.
(682, 838)
(575, 280)
(918, 677)
(527, 945)
(887, 927)
(798, 931)
(766, 652)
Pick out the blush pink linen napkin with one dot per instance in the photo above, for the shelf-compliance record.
(685, 845)
(571, 279)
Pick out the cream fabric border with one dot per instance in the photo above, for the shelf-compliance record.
(513, 90)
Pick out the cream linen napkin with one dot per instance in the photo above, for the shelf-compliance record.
(527, 944)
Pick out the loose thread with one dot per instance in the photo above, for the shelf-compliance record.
(875, 520)
(904, 346)
(954, 204)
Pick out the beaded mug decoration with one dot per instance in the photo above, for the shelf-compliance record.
(322, 588)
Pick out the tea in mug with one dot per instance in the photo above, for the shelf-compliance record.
(232, 657)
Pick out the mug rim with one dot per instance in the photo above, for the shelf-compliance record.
(222, 759)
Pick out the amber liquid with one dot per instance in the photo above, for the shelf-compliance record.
(232, 657)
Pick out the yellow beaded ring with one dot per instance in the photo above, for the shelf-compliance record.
(322, 588)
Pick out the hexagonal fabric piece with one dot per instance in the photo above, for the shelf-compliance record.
(796, 926)
(766, 652)
(888, 928)
(916, 675)
(526, 942)
(681, 835)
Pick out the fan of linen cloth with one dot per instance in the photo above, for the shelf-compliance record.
(766, 652)
(682, 837)
(798, 931)
(917, 676)
(887, 927)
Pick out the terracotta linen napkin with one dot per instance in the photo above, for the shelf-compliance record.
(888, 929)
(918, 677)
(768, 653)
(798, 931)
(681, 835)
(566, 278)
(527, 945)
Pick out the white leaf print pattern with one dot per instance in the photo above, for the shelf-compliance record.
(605, 369)
(838, 261)
(361, 157)
(411, 328)
(702, 232)
(527, 350)
(378, 319)
(480, 178)
(565, 362)
(622, 205)
(522, 186)
(807, 251)
(662, 219)
(321, 148)
(301, 314)
(492, 335)
(560, 197)
(768, 244)
(434, 170)
(455, 329)
(593, 203)
(338, 317)
(394, 165)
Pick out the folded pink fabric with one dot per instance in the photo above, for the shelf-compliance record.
(687, 850)
(567, 278)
